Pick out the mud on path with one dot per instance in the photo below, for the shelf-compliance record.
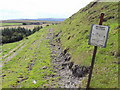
(69, 73)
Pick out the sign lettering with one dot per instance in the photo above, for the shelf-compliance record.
(99, 35)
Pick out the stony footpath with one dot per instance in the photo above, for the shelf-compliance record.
(70, 74)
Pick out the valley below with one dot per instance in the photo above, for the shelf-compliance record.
(57, 54)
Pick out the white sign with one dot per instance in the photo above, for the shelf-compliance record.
(99, 35)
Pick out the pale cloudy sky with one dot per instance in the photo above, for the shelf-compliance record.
(24, 9)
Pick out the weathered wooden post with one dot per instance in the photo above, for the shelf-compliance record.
(98, 37)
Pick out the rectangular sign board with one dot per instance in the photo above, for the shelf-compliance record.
(98, 35)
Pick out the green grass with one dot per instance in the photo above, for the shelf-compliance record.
(8, 47)
(10, 24)
(37, 52)
(75, 31)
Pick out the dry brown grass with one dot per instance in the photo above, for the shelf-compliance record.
(25, 26)
(27, 21)
(42, 23)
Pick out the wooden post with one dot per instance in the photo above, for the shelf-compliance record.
(94, 55)
(101, 18)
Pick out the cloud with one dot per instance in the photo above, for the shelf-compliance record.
(40, 8)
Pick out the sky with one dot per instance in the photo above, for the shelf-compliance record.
(33, 9)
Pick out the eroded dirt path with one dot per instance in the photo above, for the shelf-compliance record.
(70, 74)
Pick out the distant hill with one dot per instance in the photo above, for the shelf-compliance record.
(30, 63)
(44, 19)
(51, 19)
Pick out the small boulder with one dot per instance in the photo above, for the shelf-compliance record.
(34, 82)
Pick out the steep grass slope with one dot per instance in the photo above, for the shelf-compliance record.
(75, 35)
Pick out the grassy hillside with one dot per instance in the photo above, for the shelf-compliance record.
(8, 47)
(75, 35)
(32, 63)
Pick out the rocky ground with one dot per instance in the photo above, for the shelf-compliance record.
(71, 74)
